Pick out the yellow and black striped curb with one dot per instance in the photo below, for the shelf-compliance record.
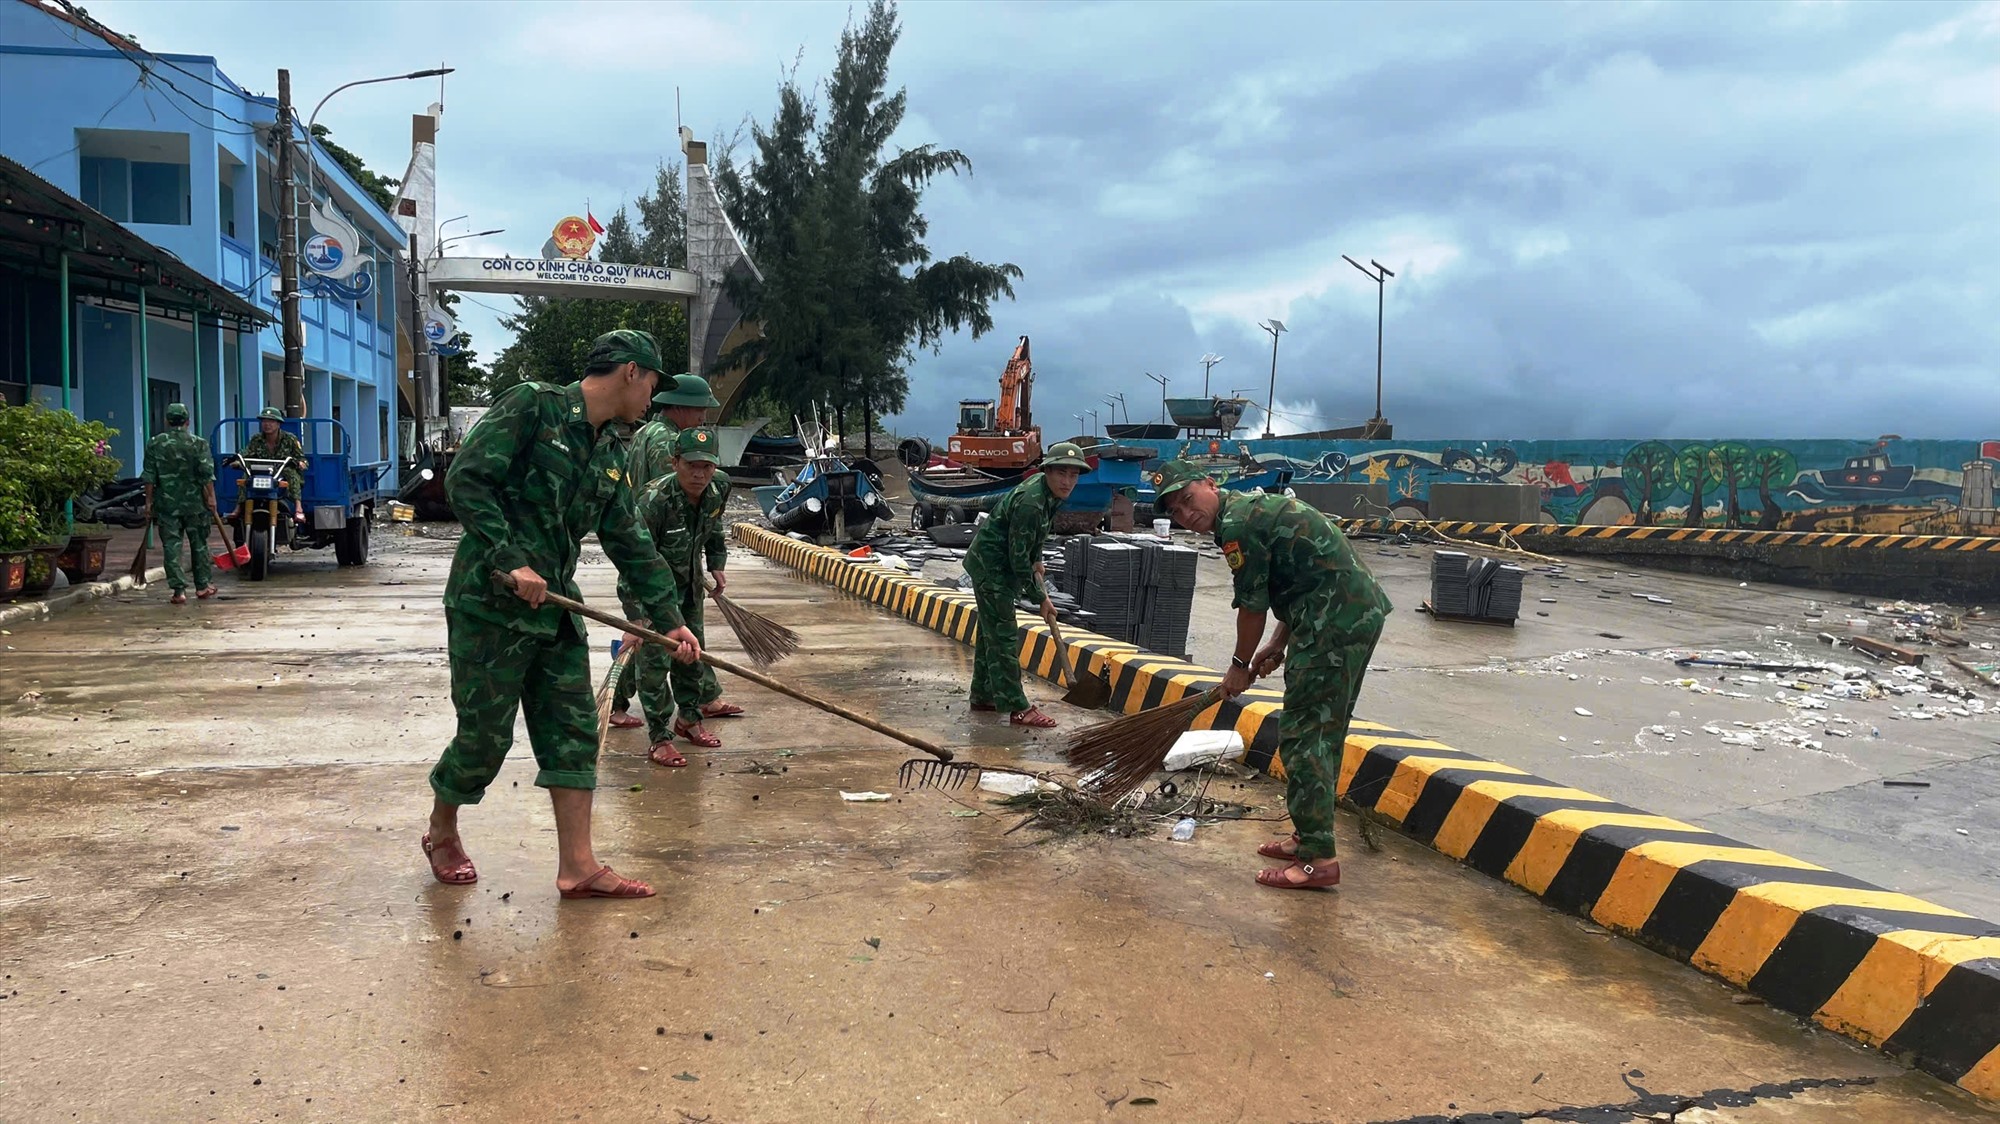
(1851, 540)
(1920, 981)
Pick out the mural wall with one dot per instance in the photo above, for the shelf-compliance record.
(1887, 486)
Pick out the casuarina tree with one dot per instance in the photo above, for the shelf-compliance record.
(1650, 474)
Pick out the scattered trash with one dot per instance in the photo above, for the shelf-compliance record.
(1905, 784)
(1184, 830)
(1202, 747)
(1584, 713)
(872, 942)
(1962, 831)
(33, 697)
(863, 797)
(1014, 784)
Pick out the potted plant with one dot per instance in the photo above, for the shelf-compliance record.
(82, 558)
(51, 457)
(20, 529)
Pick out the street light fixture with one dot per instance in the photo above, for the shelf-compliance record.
(1274, 327)
(1093, 423)
(1208, 363)
(288, 253)
(1114, 401)
(438, 251)
(1162, 380)
(1380, 277)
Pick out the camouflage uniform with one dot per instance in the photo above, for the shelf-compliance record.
(689, 536)
(286, 444)
(1291, 560)
(179, 468)
(1001, 562)
(532, 479)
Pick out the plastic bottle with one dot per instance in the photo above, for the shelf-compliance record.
(1184, 830)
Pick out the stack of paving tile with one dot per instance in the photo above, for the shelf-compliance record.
(1479, 588)
(1166, 600)
(1111, 587)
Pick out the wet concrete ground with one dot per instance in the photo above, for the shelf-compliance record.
(212, 906)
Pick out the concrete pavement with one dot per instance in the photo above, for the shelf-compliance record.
(213, 907)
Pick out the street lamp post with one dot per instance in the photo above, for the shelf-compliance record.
(438, 250)
(288, 233)
(1208, 363)
(1380, 276)
(1271, 399)
(1162, 380)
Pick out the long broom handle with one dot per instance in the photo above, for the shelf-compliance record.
(1069, 668)
(220, 529)
(762, 680)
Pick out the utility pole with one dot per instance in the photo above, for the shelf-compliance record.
(1162, 380)
(1271, 400)
(288, 256)
(418, 342)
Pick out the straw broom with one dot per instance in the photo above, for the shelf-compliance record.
(1116, 757)
(137, 570)
(764, 640)
(606, 690)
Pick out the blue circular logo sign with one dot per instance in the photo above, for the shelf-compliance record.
(324, 253)
(434, 330)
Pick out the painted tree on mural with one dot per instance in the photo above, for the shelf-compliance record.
(1651, 472)
(1771, 467)
(1729, 466)
(1697, 475)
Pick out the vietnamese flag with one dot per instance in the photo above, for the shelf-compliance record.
(1989, 450)
(595, 226)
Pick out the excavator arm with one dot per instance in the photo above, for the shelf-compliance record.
(1017, 384)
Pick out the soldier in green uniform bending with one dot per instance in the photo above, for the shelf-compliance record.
(682, 512)
(1005, 563)
(180, 497)
(683, 400)
(533, 478)
(271, 442)
(1289, 559)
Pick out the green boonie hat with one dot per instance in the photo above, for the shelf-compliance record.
(272, 413)
(1174, 475)
(1065, 454)
(686, 390)
(626, 345)
(176, 412)
(697, 443)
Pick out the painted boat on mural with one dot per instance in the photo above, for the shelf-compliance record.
(1868, 476)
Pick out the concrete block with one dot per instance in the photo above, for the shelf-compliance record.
(1486, 503)
(1340, 499)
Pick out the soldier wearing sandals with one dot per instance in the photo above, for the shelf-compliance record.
(683, 400)
(682, 512)
(180, 499)
(1004, 562)
(1290, 560)
(535, 476)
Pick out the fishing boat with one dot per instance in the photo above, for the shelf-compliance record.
(829, 499)
(1141, 431)
(1242, 472)
(1208, 415)
(944, 492)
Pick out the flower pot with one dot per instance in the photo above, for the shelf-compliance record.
(13, 573)
(83, 559)
(42, 569)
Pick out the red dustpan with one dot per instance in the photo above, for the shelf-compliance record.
(229, 559)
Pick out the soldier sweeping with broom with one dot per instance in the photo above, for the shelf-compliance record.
(535, 476)
(1004, 562)
(1290, 560)
(683, 513)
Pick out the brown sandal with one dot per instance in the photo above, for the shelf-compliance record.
(1276, 848)
(720, 710)
(1032, 716)
(1318, 876)
(620, 887)
(664, 753)
(460, 873)
(626, 720)
(697, 734)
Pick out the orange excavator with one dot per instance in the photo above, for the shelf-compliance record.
(1000, 436)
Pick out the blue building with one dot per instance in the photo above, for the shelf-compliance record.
(182, 157)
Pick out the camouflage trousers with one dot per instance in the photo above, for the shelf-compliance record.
(193, 531)
(496, 672)
(1312, 735)
(996, 652)
(662, 683)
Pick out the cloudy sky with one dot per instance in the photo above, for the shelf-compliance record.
(1605, 220)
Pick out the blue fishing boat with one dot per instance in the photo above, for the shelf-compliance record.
(829, 499)
(1242, 472)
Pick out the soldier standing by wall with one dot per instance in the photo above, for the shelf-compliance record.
(1289, 559)
(1005, 562)
(180, 498)
(533, 478)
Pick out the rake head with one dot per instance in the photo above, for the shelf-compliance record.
(926, 772)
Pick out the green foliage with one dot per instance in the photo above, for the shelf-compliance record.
(1770, 467)
(20, 524)
(1651, 473)
(832, 219)
(380, 188)
(48, 458)
(1697, 476)
(1730, 465)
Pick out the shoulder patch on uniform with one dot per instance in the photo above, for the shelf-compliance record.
(612, 472)
(1232, 553)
